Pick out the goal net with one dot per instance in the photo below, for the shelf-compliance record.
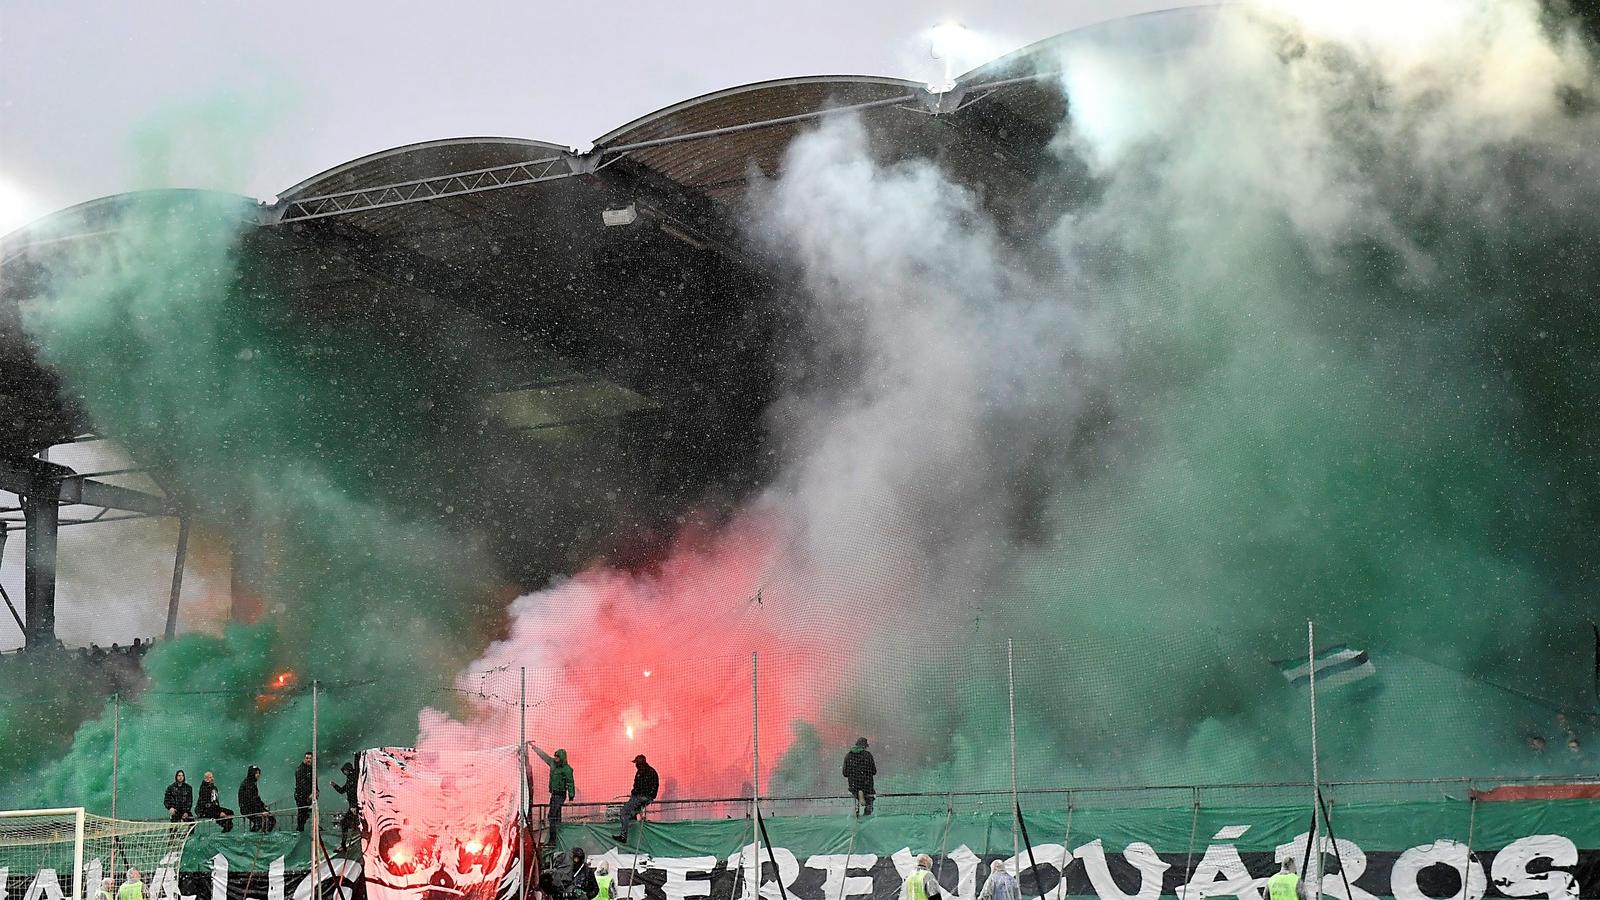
(63, 854)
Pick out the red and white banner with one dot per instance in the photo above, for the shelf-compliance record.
(440, 825)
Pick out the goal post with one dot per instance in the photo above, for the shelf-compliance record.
(63, 853)
(44, 839)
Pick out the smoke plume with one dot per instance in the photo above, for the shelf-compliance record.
(1313, 347)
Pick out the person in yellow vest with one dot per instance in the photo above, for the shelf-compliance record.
(108, 889)
(133, 888)
(920, 884)
(604, 880)
(1285, 885)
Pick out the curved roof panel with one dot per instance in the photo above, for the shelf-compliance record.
(421, 160)
(748, 124)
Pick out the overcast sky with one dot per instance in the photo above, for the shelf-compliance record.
(308, 85)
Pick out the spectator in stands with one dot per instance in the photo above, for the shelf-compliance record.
(562, 786)
(209, 807)
(132, 888)
(859, 771)
(920, 884)
(250, 804)
(1002, 885)
(348, 821)
(179, 799)
(646, 784)
(305, 782)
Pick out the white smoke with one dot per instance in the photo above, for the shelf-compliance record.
(952, 429)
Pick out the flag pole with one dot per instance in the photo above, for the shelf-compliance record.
(1314, 871)
(755, 764)
(1011, 702)
(316, 812)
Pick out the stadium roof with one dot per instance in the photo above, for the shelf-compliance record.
(665, 318)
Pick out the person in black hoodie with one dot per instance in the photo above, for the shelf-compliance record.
(179, 799)
(250, 805)
(646, 784)
(348, 821)
(305, 781)
(210, 806)
(859, 771)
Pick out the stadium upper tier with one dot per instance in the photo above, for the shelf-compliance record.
(623, 295)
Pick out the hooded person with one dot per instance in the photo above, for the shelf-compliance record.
(584, 885)
(250, 803)
(646, 784)
(1002, 885)
(349, 820)
(562, 786)
(179, 799)
(859, 771)
(209, 805)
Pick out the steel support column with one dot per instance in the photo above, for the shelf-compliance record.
(41, 509)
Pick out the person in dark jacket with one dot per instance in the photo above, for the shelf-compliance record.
(584, 885)
(646, 784)
(209, 806)
(859, 770)
(179, 799)
(250, 805)
(348, 821)
(305, 782)
(562, 787)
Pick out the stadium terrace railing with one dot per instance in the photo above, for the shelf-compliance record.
(1107, 797)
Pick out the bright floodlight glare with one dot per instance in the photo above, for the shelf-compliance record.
(951, 43)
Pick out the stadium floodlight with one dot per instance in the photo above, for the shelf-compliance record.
(40, 840)
(946, 41)
(627, 215)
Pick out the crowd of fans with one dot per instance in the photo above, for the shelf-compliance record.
(184, 805)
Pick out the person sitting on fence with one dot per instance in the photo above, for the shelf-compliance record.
(251, 805)
(562, 786)
(132, 888)
(1002, 885)
(920, 884)
(859, 770)
(646, 784)
(209, 806)
(179, 799)
(1285, 885)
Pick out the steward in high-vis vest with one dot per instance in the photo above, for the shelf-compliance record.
(920, 884)
(604, 879)
(1285, 885)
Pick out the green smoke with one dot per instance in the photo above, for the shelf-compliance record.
(326, 443)
(1326, 344)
